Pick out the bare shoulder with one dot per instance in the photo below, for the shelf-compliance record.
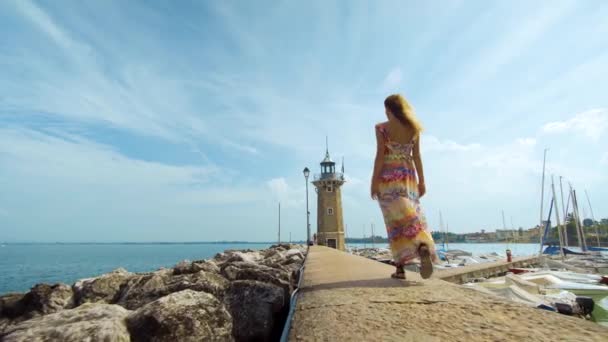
(381, 124)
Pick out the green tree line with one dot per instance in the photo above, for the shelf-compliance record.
(590, 229)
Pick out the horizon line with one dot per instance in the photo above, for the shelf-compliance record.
(138, 242)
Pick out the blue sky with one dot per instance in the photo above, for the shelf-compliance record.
(180, 121)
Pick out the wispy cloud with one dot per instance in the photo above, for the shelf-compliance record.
(145, 97)
(513, 158)
(518, 39)
(433, 144)
(44, 22)
(393, 80)
(65, 175)
(82, 161)
(526, 141)
(498, 46)
(282, 192)
(592, 123)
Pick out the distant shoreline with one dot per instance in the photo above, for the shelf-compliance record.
(153, 243)
(223, 243)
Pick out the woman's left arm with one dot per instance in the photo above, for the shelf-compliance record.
(418, 164)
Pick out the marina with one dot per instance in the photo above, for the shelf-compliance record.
(548, 281)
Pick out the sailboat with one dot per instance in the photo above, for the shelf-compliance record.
(447, 254)
(599, 248)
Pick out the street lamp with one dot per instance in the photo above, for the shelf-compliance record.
(306, 174)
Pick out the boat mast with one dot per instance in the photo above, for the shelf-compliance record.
(345, 232)
(504, 226)
(447, 239)
(516, 236)
(597, 234)
(364, 243)
(542, 198)
(559, 223)
(442, 230)
(579, 230)
(279, 223)
(565, 229)
(373, 242)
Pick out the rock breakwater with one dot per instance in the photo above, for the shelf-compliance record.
(235, 296)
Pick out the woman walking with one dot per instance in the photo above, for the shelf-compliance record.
(398, 184)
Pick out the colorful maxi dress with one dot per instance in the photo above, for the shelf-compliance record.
(404, 219)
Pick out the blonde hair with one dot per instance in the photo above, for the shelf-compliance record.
(401, 109)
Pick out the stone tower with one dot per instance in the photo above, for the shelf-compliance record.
(330, 224)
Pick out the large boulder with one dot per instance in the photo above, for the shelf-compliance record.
(11, 310)
(230, 256)
(46, 299)
(11, 305)
(258, 310)
(293, 256)
(4, 324)
(258, 272)
(42, 299)
(143, 289)
(88, 322)
(182, 316)
(186, 267)
(102, 289)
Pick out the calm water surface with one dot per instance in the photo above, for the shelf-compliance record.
(24, 265)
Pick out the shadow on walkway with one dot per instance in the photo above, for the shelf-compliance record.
(370, 283)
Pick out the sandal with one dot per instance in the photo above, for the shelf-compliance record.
(399, 273)
(426, 265)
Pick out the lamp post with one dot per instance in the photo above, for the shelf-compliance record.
(306, 174)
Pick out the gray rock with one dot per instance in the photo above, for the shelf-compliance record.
(182, 316)
(89, 322)
(42, 299)
(11, 310)
(103, 289)
(206, 265)
(186, 267)
(4, 324)
(269, 253)
(293, 256)
(258, 310)
(183, 267)
(11, 305)
(236, 256)
(262, 273)
(45, 299)
(294, 252)
(143, 289)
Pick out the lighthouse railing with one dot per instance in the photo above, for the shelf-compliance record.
(329, 176)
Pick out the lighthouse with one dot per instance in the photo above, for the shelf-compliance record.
(328, 186)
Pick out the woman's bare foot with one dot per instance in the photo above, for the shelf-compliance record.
(426, 265)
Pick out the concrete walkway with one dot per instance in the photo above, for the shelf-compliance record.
(350, 298)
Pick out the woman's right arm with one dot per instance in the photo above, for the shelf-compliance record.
(419, 169)
(377, 164)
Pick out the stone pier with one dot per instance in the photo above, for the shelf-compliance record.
(350, 298)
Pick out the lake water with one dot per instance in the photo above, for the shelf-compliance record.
(24, 265)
